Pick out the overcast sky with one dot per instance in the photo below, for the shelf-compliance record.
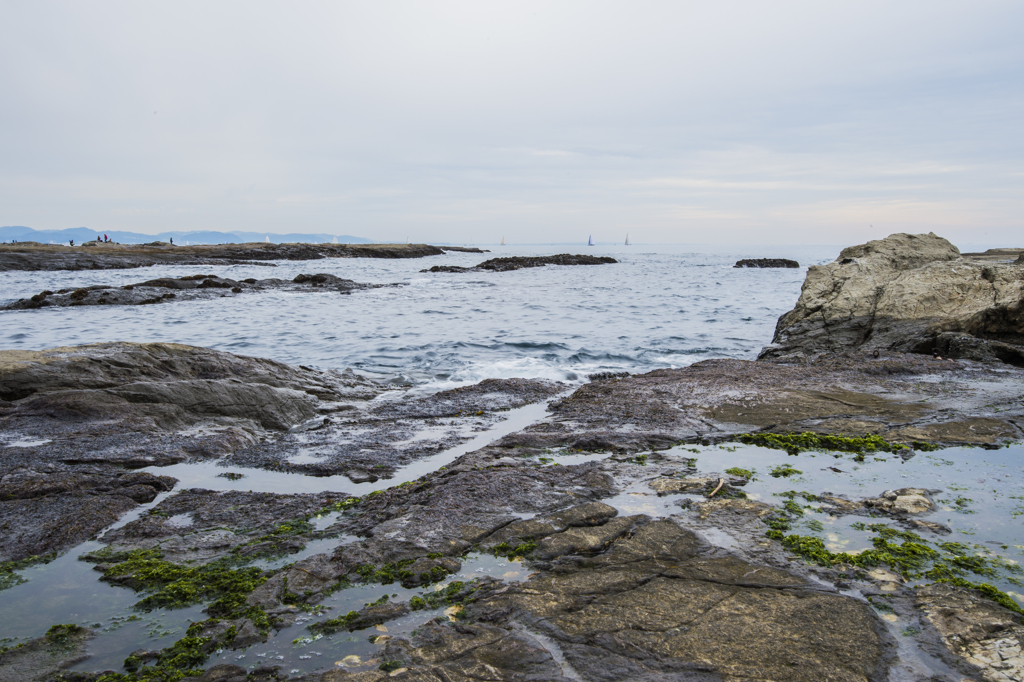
(705, 122)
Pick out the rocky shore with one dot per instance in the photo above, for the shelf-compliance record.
(624, 557)
(188, 288)
(908, 293)
(106, 255)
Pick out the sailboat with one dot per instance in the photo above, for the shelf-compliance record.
(503, 241)
(627, 239)
(591, 242)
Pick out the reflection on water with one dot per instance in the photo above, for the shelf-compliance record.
(980, 498)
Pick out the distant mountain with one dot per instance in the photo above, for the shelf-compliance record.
(83, 234)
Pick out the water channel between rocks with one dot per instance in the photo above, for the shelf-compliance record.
(980, 499)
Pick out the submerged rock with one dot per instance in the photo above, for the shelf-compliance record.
(903, 501)
(904, 293)
(45, 657)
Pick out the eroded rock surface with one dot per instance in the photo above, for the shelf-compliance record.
(975, 630)
(658, 604)
(367, 445)
(76, 420)
(902, 397)
(901, 293)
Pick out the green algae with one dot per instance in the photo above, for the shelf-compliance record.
(331, 626)
(178, 661)
(783, 470)
(8, 569)
(794, 443)
(506, 549)
(457, 592)
(904, 552)
(397, 571)
(175, 586)
(741, 473)
(62, 634)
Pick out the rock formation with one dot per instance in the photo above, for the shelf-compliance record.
(910, 293)
(106, 256)
(520, 262)
(766, 263)
(189, 288)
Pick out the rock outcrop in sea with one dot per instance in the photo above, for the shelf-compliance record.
(108, 255)
(188, 288)
(519, 262)
(907, 293)
(766, 263)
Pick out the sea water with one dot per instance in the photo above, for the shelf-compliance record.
(659, 306)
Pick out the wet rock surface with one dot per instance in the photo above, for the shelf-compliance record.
(901, 293)
(45, 657)
(106, 256)
(901, 397)
(520, 262)
(188, 288)
(978, 635)
(199, 526)
(766, 263)
(370, 444)
(77, 420)
(616, 614)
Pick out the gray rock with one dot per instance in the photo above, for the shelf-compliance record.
(901, 293)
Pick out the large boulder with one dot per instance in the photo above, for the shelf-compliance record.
(910, 293)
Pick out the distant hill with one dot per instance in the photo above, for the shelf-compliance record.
(83, 234)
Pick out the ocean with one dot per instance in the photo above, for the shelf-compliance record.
(659, 306)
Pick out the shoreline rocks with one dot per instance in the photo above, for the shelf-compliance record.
(107, 255)
(906, 293)
(188, 288)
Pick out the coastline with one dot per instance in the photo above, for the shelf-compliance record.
(601, 498)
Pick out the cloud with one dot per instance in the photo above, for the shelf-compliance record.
(448, 120)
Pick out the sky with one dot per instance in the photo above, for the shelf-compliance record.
(465, 122)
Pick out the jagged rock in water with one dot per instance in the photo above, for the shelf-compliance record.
(906, 293)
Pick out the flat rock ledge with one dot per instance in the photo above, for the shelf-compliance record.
(188, 288)
(108, 255)
(520, 262)
(766, 263)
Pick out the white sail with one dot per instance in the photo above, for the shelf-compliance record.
(268, 240)
(591, 242)
(627, 239)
